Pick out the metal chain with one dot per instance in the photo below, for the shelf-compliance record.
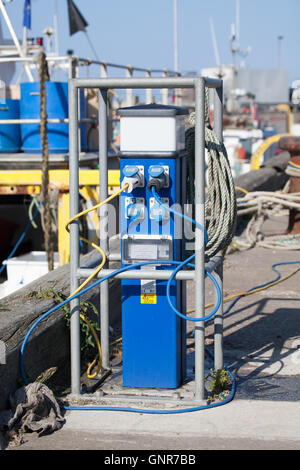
(48, 235)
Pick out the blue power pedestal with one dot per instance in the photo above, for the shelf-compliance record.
(152, 151)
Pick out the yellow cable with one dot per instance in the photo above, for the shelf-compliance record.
(116, 341)
(75, 217)
(241, 189)
(258, 289)
(231, 297)
(97, 206)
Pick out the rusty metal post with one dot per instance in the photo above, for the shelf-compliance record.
(292, 145)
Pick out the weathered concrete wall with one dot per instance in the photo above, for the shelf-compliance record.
(48, 345)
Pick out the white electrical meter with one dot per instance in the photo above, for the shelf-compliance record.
(152, 129)
(138, 248)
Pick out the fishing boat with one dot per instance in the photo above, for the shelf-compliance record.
(30, 97)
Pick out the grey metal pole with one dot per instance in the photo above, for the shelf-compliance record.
(218, 323)
(218, 319)
(139, 274)
(74, 238)
(199, 238)
(85, 272)
(134, 82)
(153, 82)
(175, 36)
(104, 244)
(218, 112)
(279, 39)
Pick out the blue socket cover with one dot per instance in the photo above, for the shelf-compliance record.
(155, 171)
(130, 170)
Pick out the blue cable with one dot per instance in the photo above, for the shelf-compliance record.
(183, 216)
(186, 410)
(20, 239)
(83, 291)
(180, 266)
(199, 408)
(262, 285)
(161, 412)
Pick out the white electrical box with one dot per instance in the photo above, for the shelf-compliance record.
(152, 129)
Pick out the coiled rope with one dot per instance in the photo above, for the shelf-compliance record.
(220, 204)
(264, 205)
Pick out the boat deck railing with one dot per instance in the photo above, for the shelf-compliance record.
(72, 64)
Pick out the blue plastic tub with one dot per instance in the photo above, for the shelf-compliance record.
(10, 138)
(56, 108)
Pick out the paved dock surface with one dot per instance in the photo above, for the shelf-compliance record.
(240, 424)
(262, 350)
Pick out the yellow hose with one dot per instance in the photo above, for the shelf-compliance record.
(75, 217)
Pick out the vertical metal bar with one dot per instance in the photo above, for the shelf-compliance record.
(218, 319)
(79, 117)
(148, 90)
(74, 237)
(72, 71)
(218, 323)
(218, 112)
(103, 70)
(129, 91)
(165, 91)
(103, 193)
(199, 237)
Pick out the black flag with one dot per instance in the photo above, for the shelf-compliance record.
(76, 20)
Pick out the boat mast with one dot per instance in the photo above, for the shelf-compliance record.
(15, 40)
(55, 25)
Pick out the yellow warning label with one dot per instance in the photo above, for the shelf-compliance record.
(148, 298)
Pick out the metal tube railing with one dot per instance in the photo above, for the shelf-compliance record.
(79, 61)
(198, 84)
(37, 121)
(104, 242)
(162, 275)
(74, 239)
(218, 318)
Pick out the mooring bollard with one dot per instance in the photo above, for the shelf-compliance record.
(292, 145)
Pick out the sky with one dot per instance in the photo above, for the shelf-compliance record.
(141, 32)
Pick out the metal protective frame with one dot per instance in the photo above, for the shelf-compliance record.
(103, 84)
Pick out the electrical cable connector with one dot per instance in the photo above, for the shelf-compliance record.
(133, 177)
(158, 177)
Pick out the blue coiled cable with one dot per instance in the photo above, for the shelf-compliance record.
(83, 291)
(205, 318)
(180, 265)
(185, 262)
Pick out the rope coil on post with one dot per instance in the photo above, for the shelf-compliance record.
(46, 211)
(220, 204)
